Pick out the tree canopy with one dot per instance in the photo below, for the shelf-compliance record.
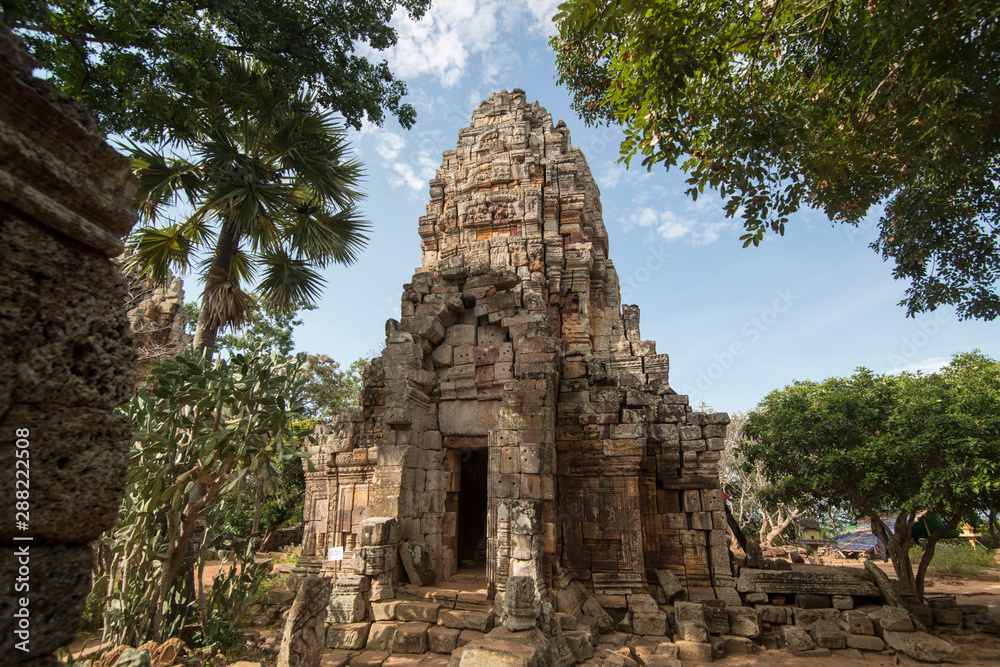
(899, 444)
(272, 197)
(839, 105)
(130, 61)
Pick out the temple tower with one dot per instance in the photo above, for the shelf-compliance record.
(516, 417)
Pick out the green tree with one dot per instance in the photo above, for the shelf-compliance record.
(131, 62)
(202, 431)
(905, 444)
(272, 195)
(329, 390)
(839, 105)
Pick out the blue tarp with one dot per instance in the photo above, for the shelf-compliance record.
(858, 541)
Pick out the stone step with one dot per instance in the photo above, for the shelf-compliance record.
(447, 598)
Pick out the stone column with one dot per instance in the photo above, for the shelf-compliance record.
(66, 355)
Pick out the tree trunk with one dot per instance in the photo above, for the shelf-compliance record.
(206, 332)
(778, 525)
(932, 541)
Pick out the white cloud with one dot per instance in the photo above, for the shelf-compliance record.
(930, 365)
(410, 168)
(452, 32)
(388, 145)
(672, 227)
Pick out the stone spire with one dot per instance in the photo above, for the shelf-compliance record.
(515, 416)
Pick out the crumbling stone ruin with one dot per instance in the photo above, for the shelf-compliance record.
(516, 417)
(156, 315)
(66, 355)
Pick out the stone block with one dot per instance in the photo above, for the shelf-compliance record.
(812, 601)
(592, 608)
(649, 623)
(893, 619)
(466, 620)
(380, 635)
(416, 560)
(378, 531)
(469, 636)
(864, 642)
(410, 610)
(410, 637)
(500, 653)
(374, 560)
(642, 603)
(842, 602)
(579, 644)
(776, 614)
(346, 608)
(736, 645)
(797, 639)
(827, 635)
(369, 659)
(442, 640)
(857, 622)
(947, 616)
(744, 621)
(810, 616)
(384, 611)
(347, 636)
(694, 652)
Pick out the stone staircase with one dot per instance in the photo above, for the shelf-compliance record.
(422, 625)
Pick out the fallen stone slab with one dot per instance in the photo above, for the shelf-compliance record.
(919, 645)
(417, 563)
(810, 579)
(886, 589)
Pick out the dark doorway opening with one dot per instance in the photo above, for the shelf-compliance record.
(472, 508)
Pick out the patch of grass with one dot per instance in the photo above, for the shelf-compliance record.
(953, 557)
(289, 554)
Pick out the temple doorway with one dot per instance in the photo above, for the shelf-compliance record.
(471, 527)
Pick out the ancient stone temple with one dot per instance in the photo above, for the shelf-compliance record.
(516, 418)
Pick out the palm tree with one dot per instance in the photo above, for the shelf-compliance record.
(273, 200)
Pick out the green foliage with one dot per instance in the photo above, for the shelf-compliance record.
(271, 194)
(908, 443)
(330, 391)
(232, 593)
(202, 430)
(131, 62)
(953, 557)
(839, 105)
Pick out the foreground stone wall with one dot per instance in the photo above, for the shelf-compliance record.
(66, 355)
(513, 349)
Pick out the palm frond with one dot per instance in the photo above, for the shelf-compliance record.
(162, 180)
(288, 281)
(316, 233)
(154, 251)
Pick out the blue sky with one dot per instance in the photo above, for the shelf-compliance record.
(737, 323)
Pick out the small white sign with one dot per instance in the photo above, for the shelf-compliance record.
(335, 553)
